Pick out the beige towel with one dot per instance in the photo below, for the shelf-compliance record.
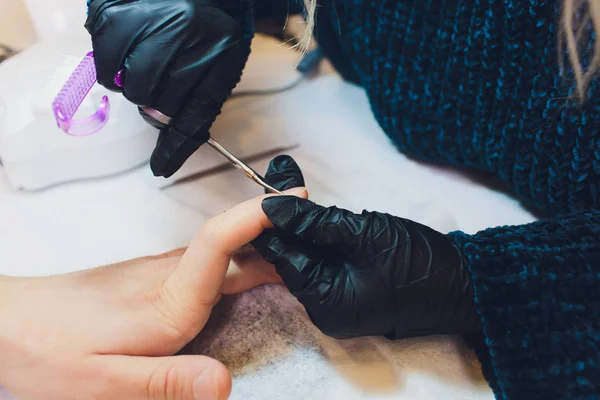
(274, 352)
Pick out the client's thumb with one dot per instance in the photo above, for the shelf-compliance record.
(168, 378)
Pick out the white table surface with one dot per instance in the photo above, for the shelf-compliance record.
(347, 160)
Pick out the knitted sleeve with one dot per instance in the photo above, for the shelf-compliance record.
(474, 84)
(537, 289)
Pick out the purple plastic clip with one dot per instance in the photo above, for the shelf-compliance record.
(72, 95)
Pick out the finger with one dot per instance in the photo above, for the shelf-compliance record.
(199, 276)
(247, 272)
(165, 378)
(284, 173)
(194, 63)
(163, 82)
(189, 129)
(114, 51)
(144, 70)
(299, 265)
(319, 287)
(177, 142)
(323, 226)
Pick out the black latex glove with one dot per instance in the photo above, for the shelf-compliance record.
(367, 274)
(180, 57)
(283, 174)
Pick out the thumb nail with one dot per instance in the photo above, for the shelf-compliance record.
(297, 191)
(205, 387)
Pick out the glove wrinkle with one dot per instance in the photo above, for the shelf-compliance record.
(365, 274)
(400, 278)
(284, 173)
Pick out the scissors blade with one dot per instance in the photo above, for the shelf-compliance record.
(239, 164)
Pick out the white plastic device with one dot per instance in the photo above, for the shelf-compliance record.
(34, 152)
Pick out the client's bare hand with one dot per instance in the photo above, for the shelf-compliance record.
(111, 332)
(248, 269)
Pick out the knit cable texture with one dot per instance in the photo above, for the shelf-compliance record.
(537, 288)
(476, 84)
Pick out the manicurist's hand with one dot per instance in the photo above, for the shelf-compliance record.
(180, 57)
(366, 274)
(111, 332)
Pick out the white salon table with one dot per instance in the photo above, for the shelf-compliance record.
(347, 161)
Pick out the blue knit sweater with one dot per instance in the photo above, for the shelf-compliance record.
(477, 84)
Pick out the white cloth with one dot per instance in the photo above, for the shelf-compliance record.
(263, 335)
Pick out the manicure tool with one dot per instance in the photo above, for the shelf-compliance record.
(78, 86)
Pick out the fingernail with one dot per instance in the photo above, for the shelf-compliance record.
(297, 191)
(205, 387)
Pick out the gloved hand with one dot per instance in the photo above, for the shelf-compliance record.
(366, 274)
(180, 57)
